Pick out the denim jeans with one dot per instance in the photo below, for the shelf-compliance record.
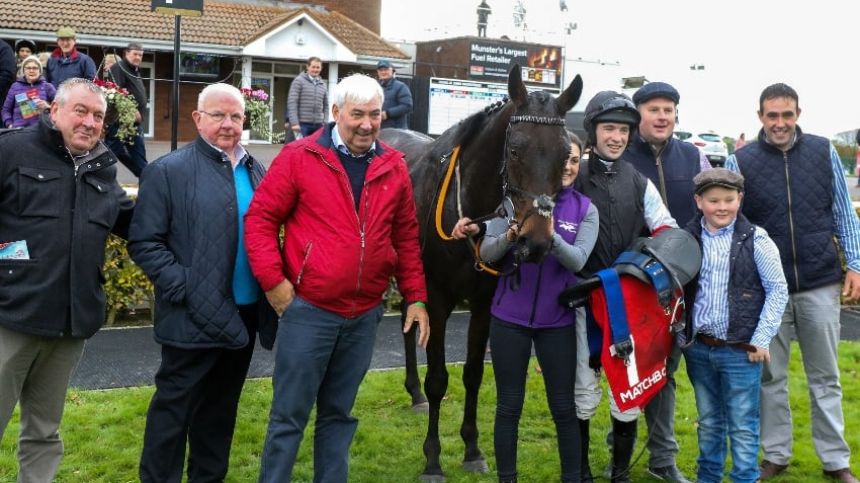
(556, 352)
(133, 156)
(727, 386)
(308, 128)
(320, 357)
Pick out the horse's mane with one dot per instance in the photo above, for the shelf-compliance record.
(466, 130)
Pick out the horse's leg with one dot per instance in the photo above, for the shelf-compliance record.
(412, 382)
(473, 374)
(439, 308)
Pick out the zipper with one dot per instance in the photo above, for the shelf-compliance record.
(308, 247)
(537, 291)
(361, 232)
(791, 224)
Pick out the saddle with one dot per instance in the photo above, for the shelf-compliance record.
(632, 310)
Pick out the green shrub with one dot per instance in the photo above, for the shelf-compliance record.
(126, 286)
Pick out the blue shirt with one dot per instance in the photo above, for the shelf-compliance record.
(711, 308)
(847, 226)
(245, 288)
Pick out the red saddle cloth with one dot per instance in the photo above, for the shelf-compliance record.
(634, 382)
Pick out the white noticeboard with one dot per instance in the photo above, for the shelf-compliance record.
(452, 100)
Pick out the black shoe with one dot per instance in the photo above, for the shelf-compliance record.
(668, 473)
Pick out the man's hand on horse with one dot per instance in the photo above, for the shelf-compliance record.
(464, 228)
(281, 296)
(851, 288)
(416, 313)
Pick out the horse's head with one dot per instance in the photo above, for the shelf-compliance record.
(536, 149)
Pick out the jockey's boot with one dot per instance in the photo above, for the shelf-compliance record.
(585, 468)
(624, 440)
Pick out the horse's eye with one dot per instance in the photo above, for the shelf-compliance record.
(515, 154)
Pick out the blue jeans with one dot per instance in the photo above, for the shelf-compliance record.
(320, 357)
(133, 156)
(556, 352)
(727, 386)
(308, 128)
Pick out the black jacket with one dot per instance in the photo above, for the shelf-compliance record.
(8, 67)
(127, 76)
(185, 237)
(618, 193)
(65, 219)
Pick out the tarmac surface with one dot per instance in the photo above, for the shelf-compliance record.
(129, 357)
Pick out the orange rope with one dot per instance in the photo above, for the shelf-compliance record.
(443, 193)
(440, 204)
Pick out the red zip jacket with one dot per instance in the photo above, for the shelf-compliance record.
(337, 259)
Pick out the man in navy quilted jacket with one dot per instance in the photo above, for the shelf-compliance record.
(188, 237)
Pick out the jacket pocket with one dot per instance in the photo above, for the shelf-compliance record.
(39, 192)
(102, 207)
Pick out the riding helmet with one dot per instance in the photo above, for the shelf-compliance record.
(609, 106)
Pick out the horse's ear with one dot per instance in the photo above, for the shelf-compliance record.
(516, 89)
(570, 96)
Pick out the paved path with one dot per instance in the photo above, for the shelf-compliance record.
(129, 357)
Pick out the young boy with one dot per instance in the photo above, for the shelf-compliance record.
(737, 304)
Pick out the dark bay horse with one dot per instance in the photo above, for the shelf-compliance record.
(514, 149)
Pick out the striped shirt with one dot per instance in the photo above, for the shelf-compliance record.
(711, 308)
(845, 222)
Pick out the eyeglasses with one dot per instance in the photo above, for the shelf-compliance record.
(31, 67)
(219, 117)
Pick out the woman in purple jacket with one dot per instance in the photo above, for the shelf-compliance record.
(528, 312)
(28, 97)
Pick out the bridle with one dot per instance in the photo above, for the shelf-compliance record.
(543, 203)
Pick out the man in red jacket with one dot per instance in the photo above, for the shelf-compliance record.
(345, 202)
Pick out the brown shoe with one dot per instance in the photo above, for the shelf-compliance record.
(844, 475)
(769, 470)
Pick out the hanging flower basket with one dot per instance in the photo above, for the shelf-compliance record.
(121, 110)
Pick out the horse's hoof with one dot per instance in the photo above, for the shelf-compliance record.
(476, 466)
(421, 408)
(432, 478)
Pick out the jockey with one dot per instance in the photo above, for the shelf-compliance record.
(629, 205)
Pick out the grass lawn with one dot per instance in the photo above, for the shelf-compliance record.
(103, 430)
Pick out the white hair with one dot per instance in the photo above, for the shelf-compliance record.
(71, 83)
(220, 88)
(357, 88)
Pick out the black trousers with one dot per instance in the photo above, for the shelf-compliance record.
(196, 397)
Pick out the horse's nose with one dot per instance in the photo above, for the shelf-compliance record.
(530, 250)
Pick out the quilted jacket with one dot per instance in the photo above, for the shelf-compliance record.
(184, 236)
(337, 259)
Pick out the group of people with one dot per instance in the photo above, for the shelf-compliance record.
(205, 229)
(300, 255)
(769, 269)
(34, 83)
(307, 102)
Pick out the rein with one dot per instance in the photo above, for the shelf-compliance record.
(541, 204)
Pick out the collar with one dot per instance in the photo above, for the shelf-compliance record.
(218, 154)
(338, 144)
(726, 230)
(58, 53)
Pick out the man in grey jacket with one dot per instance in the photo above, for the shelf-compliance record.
(308, 100)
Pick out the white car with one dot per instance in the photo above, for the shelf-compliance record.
(709, 143)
